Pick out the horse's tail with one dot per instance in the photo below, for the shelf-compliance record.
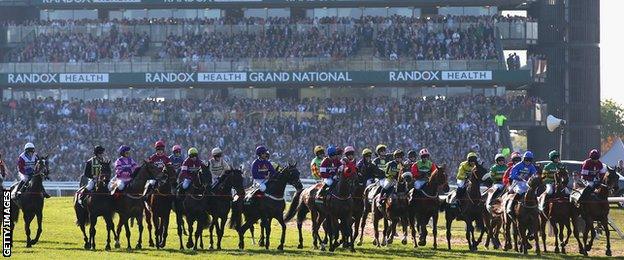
(237, 211)
(294, 206)
(82, 215)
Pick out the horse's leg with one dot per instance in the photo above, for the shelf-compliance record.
(261, 238)
(180, 226)
(363, 225)
(267, 228)
(149, 218)
(506, 232)
(412, 223)
(189, 242)
(211, 228)
(534, 230)
(468, 231)
(127, 227)
(110, 226)
(589, 226)
(93, 220)
(543, 224)
(355, 233)
(117, 233)
(449, 222)
(376, 229)
(422, 225)
(385, 232)
(220, 232)
(140, 225)
(27, 219)
(577, 236)
(565, 241)
(198, 232)
(557, 230)
(435, 230)
(164, 226)
(605, 227)
(280, 219)
(87, 243)
(515, 236)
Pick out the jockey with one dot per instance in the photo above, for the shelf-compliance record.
(218, 165)
(394, 168)
(261, 168)
(592, 170)
(190, 167)
(549, 171)
(412, 157)
(315, 165)
(496, 177)
(364, 163)
(176, 158)
(515, 159)
(96, 166)
(26, 167)
(382, 159)
(124, 167)
(329, 166)
(348, 162)
(521, 172)
(159, 158)
(422, 168)
(465, 168)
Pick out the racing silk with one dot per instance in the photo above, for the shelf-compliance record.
(507, 173)
(522, 172)
(422, 169)
(262, 169)
(361, 165)
(328, 168)
(592, 170)
(218, 167)
(393, 170)
(189, 167)
(464, 169)
(549, 171)
(176, 162)
(124, 167)
(349, 168)
(94, 167)
(25, 164)
(160, 160)
(315, 167)
(381, 162)
(497, 172)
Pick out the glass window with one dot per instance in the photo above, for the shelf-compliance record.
(417, 12)
(349, 12)
(402, 11)
(115, 15)
(159, 13)
(431, 91)
(256, 12)
(60, 14)
(85, 14)
(69, 94)
(209, 13)
(458, 91)
(184, 13)
(278, 12)
(90, 94)
(121, 93)
(7, 94)
(135, 14)
(325, 12)
(376, 11)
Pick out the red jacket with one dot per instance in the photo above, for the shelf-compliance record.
(159, 159)
(349, 168)
(507, 173)
(329, 167)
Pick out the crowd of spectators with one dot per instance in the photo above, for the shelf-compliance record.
(393, 37)
(290, 128)
(82, 47)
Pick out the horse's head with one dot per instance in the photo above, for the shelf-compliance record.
(477, 173)
(534, 182)
(42, 167)
(611, 179)
(148, 170)
(438, 177)
(291, 173)
(562, 178)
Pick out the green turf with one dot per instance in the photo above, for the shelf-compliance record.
(62, 239)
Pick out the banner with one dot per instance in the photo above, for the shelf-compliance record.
(253, 78)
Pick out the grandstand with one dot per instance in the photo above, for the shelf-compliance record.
(262, 65)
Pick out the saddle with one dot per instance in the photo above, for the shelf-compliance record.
(580, 194)
(253, 192)
(509, 201)
(373, 190)
(452, 198)
(492, 194)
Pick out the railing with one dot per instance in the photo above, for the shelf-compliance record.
(159, 32)
(288, 64)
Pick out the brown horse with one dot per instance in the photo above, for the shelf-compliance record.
(339, 207)
(303, 203)
(424, 204)
(471, 210)
(525, 219)
(596, 208)
(158, 206)
(267, 206)
(31, 201)
(359, 199)
(96, 204)
(195, 205)
(558, 211)
(393, 211)
(219, 206)
(130, 203)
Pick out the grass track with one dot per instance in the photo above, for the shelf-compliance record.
(62, 239)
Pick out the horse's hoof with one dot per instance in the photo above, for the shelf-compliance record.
(352, 250)
(151, 243)
(129, 248)
(422, 243)
(300, 246)
(404, 241)
(374, 242)
(556, 250)
(87, 246)
(588, 248)
(280, 248)
(241, 246)
(28, 245)
(359, 243)
(189, 244)
(107, 248)
(218, 247)
(138, 247)
(608, 253)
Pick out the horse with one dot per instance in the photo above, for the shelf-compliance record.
(471, 209)
(266, 206)
(393, 211)
(359, 199)
(219, 208)
(95, 204)
(339, 206)
(424, 204)
(558, 211)
(526, 216)
(302, 203)
(195, 208)
(129, 203)
(31, 201)
(158, 206)
(368, 196)
(595, 207)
